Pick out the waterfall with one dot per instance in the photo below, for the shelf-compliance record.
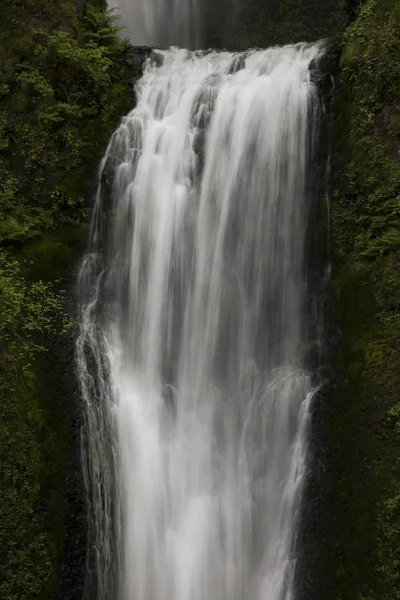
(193, 331)
(159, 23)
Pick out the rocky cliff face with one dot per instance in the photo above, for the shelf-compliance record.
(242, 24)
(363, 511)
(273, 22)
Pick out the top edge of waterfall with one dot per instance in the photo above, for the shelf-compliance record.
(257, 60)
(316, 48)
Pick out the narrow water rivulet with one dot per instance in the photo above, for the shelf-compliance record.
(191, 352)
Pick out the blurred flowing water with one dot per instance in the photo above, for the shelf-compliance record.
(193, 331)
(159, 23)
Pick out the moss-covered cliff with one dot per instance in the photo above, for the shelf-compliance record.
(65, 80)
(364, 412)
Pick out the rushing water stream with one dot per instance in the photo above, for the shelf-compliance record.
(193, 330)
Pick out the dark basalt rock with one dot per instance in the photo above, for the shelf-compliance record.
(73, 568)
(325, 69)
(138, 56)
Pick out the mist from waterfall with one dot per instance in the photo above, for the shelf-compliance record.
(193, 331)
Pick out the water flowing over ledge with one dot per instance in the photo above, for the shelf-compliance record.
(193, 331)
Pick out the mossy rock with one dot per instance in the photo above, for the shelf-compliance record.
(364, 414)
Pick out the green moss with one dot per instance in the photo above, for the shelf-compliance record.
(51, 255)
(28, 552)
(364, 414)
(368, 130)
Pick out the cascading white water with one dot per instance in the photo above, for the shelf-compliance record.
(159, 23)
(191, 351)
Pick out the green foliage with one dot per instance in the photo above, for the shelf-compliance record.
(24, 309)
(365, 413)
(62, 93)
(64, 84)
(28, 311)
